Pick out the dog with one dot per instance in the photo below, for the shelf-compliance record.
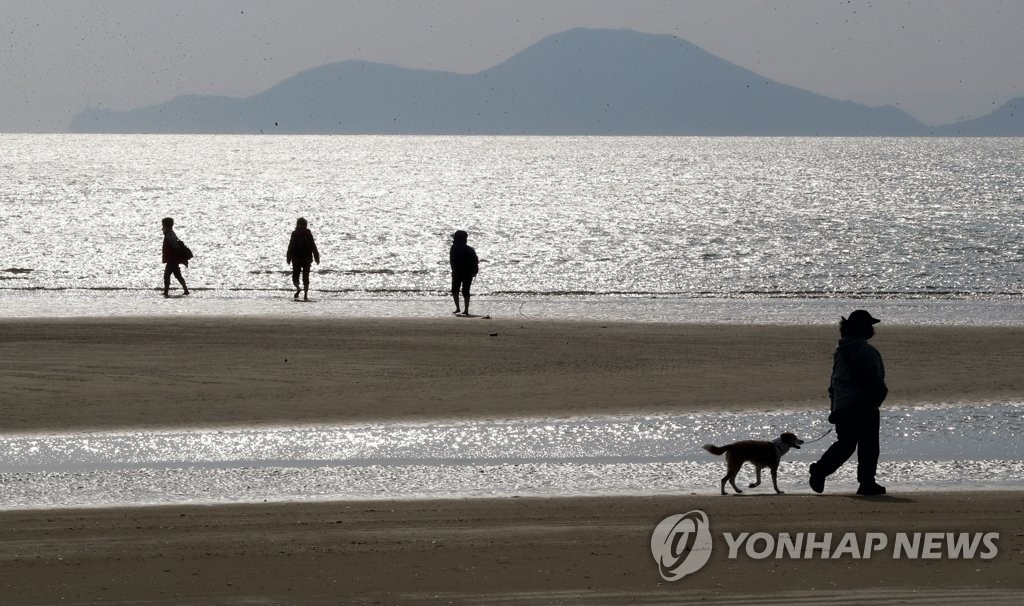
(761, 453)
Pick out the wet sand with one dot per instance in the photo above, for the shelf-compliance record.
(113, 374)
(127, 373)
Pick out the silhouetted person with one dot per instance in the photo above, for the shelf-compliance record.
(465, 265)
(301, 254)
(857, 390)
(173, 256)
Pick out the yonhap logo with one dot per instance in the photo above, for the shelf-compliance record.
(681, 544)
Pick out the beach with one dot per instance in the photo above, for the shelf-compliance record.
(146, 373)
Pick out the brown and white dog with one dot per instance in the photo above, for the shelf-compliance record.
(760, 453)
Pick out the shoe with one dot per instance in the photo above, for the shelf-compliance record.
(871, 490)
(817, 481)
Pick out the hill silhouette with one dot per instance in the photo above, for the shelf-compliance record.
(589, 82)
(1006, 121)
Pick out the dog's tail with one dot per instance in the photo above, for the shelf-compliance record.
(715, 450)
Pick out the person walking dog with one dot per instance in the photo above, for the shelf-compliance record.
(857, 390)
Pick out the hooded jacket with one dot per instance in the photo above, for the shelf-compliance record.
(463, 260)
(858, 376)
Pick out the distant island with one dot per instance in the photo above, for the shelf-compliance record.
(580, 82)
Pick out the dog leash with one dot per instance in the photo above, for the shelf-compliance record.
(822, 437)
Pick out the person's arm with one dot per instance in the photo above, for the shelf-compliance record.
(291, 249)
(316, 253)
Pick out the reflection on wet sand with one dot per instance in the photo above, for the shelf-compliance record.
(923, 448)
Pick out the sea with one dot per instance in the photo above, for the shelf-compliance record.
(672, 229)
(919, 231)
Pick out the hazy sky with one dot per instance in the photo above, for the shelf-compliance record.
(940, 60)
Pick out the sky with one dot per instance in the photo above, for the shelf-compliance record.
(939, 60)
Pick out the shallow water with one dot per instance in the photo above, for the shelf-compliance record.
(924, 448)
(971, 311)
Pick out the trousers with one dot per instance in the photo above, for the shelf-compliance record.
(856, 430)
(303, 269)
(172, 269)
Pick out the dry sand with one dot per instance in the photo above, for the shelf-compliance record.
(106, 374)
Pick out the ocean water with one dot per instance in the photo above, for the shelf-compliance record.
(697, 229)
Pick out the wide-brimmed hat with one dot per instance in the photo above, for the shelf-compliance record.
(859, 316)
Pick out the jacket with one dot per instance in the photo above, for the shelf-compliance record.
(171, 252)
(302, 247)
(463, 259)
(858, 376)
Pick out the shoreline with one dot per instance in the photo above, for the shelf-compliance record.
(725, 309)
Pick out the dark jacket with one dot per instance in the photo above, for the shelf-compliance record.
(171, 252)
(858, 376)
(302, 247)
(463, 259)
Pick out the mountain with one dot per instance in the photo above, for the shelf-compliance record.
(1007, 121)
(592, 82)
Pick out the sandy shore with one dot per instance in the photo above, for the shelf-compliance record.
(113, 374)
(524, 551)
(88, 374)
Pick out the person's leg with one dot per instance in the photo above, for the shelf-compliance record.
(180, 278)
(456, 284)
(868, 449)
(837, 454)
(168, 270)
(466, 283)
(295, 278)
(305, 281)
